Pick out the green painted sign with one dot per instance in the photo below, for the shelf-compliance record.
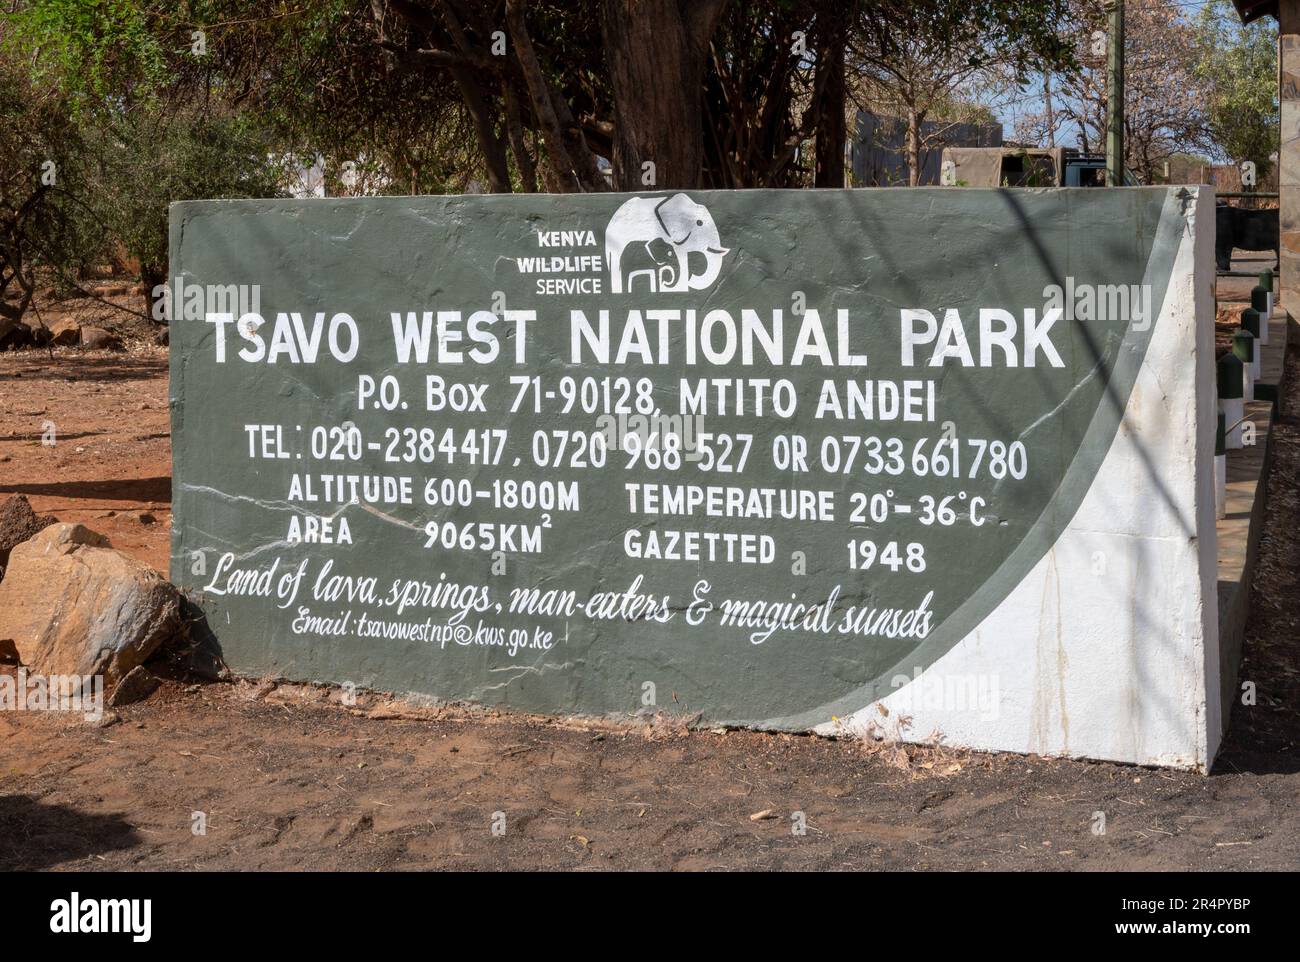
(760, 455)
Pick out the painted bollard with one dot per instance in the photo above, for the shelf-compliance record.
(1261, 301)
(1243, 346)
(1231, 406)
(1220, 469)
(1266, 282)
(1252, 322)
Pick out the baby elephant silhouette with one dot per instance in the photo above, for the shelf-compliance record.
(654, 260)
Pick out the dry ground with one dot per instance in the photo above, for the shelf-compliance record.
(288, 778)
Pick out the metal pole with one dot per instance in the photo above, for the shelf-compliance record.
(1115, 94)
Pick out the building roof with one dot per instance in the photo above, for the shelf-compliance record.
(1251, 10)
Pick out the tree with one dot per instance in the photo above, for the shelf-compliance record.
(656, 122)
(39, 152)
(774, 90)
(918, 61)
(690, 93)
(561, 95)
(1164, 100)
(146, 127)
(1238, 64)
(141, 166)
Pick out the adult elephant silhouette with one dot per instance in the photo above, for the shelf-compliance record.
(685, 225)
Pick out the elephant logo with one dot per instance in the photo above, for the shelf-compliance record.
(651, 240)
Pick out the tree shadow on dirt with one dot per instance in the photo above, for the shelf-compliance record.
(40, 836)
(156, 490)
(86, 367)
(40, 436)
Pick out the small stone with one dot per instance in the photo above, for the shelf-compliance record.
(144, 517)
(138, 685)
(107, 720)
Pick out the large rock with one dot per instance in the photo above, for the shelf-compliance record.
(18, 522)
(14, 334)
(71, 604)
(65, 331)
(98, 339)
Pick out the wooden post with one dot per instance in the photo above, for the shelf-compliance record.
(1115, 94)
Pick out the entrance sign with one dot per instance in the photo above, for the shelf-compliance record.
(917, 463)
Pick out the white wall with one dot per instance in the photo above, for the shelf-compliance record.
(1108, 649)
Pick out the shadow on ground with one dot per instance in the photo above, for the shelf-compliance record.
(156, 490)
(88, 366)
(35, 835)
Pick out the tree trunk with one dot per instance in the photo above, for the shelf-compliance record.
(515, 128)
(658, 50)
(914, 119)
(831, 134)
(153, 276)
(490, 143)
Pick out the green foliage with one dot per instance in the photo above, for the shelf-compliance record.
(137, 122)
(96, 48)
(406, 98)
(41, 150)
(1022, 33)
(1239, 65)
(321, 85)
(144, 162)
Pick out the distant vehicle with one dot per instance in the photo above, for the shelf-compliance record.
(1024, 167)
